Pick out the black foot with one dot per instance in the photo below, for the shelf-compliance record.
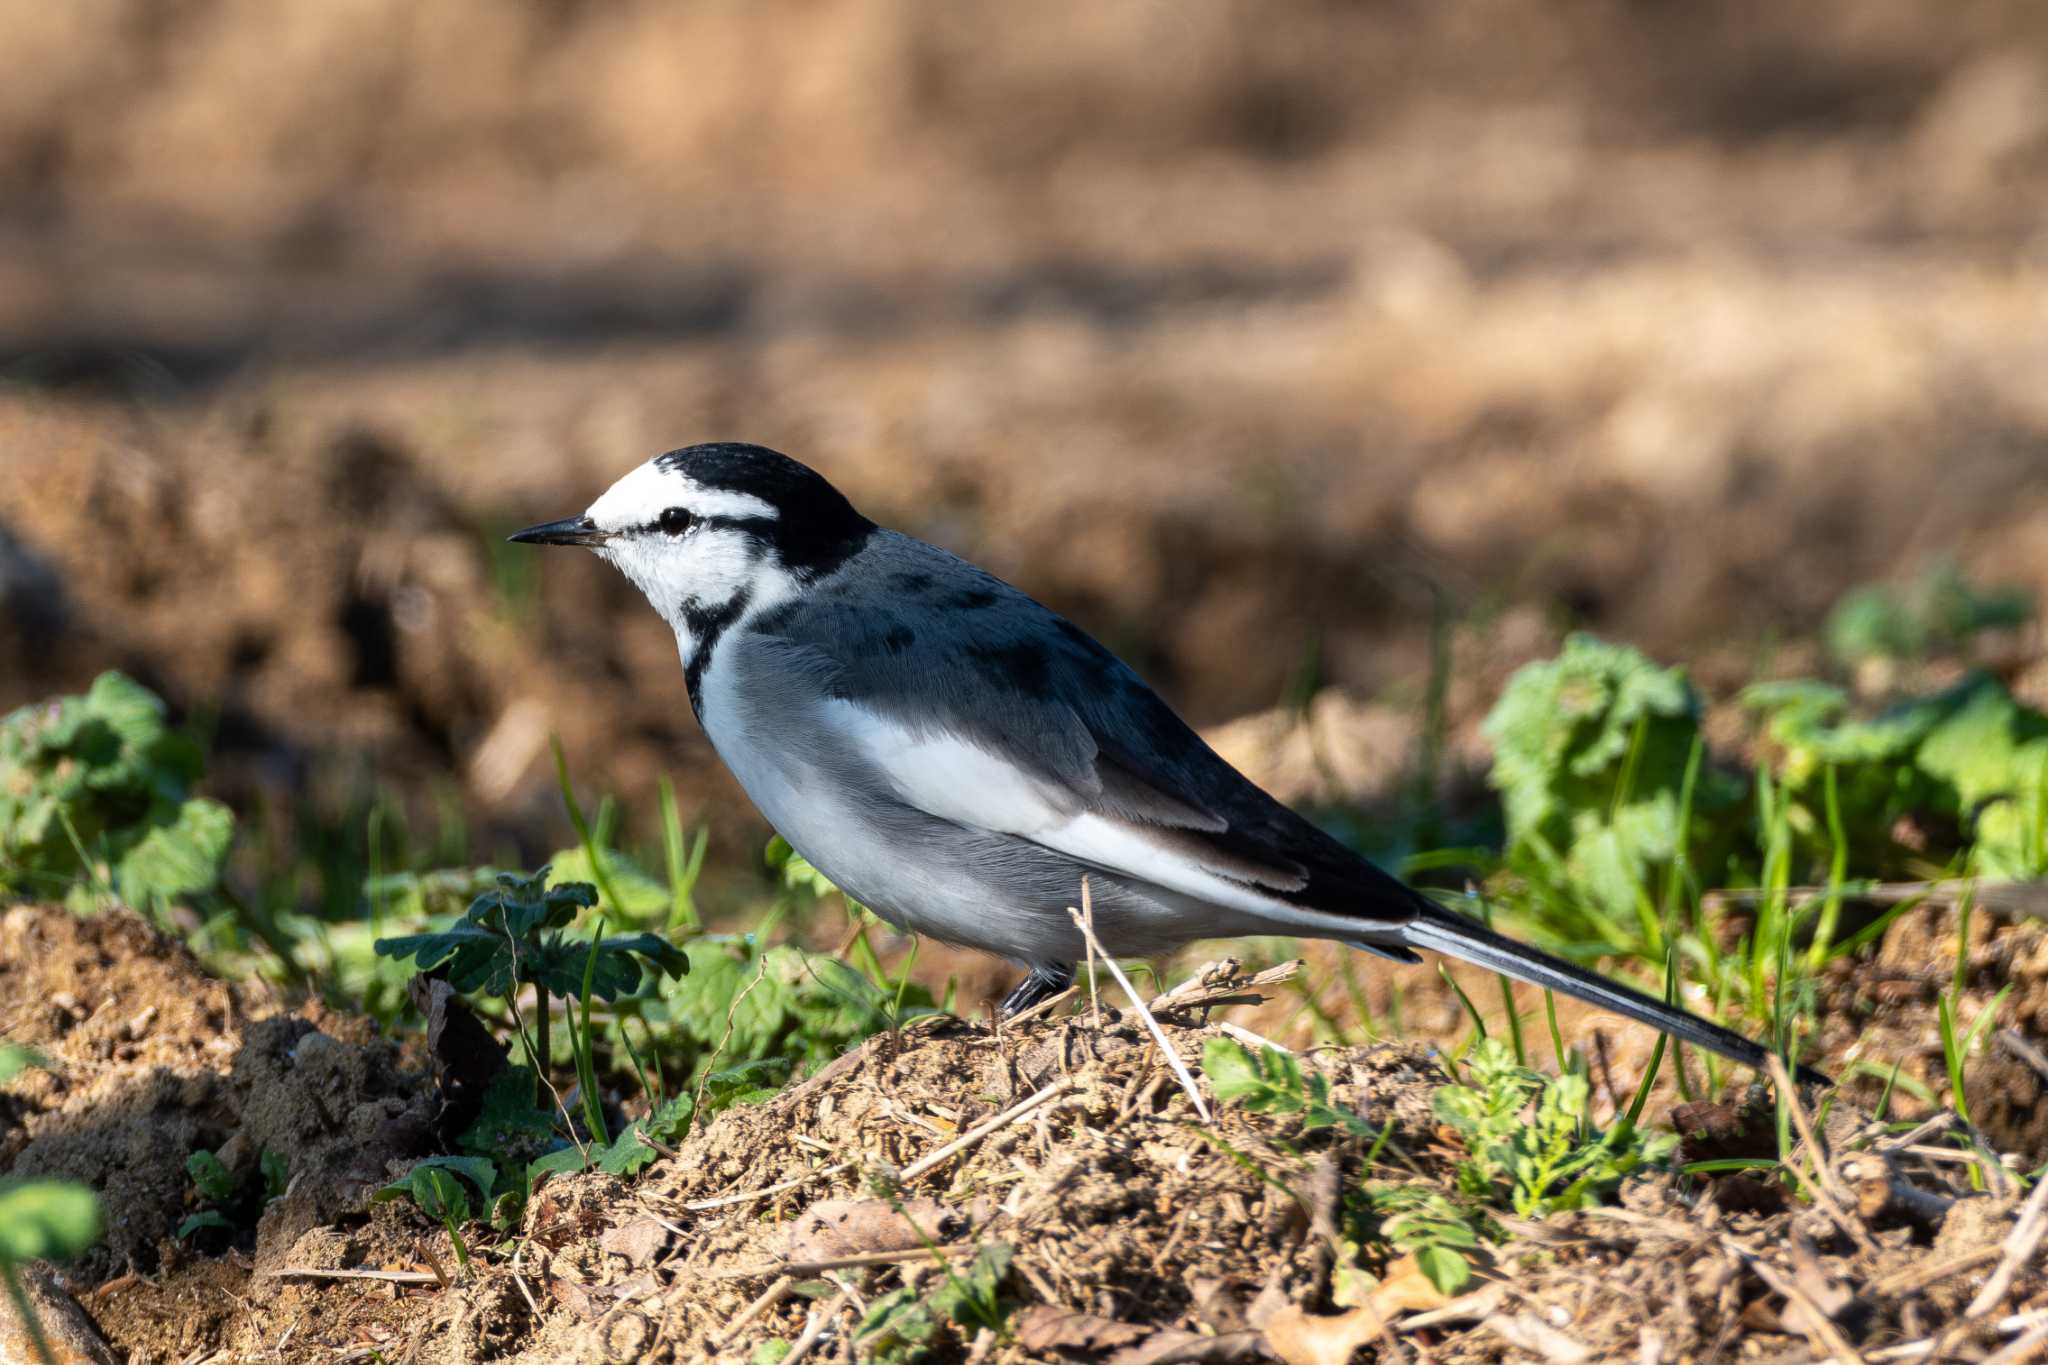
(1043, 984)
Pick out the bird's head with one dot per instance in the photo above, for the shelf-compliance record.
(709, 530)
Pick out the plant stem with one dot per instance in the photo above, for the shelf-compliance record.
(461, 1251)
(540, 1049)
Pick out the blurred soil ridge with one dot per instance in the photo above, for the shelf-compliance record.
(1254, 344)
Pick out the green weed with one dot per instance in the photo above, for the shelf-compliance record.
(440, 1186)
(40, 1220)
(96, 803)
(515, 935)
(904, 1326)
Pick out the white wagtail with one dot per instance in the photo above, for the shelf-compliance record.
(958, 757)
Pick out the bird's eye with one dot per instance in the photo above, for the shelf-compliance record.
(674, 521)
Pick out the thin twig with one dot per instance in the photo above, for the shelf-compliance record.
(1245, 1035)
(806, 1269)
(1086, 919)
(1820, 1328)
(910, 1172)
(814, 1329)
(2026, 1348)
(732, 1010)
(520, 1281)
(772, 1295)
(2020, 1245)
(1913, 1280)
(700, 1205)
(539, 1062)
(1173, 1060)
(306, 1272)
(1217, 983)
(983, 1129)
(1940, 1123)
(1834, 1196)
(1045, 1006)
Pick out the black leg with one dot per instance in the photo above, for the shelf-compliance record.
(1043, 984)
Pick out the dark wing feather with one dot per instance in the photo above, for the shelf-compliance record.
(959, 649)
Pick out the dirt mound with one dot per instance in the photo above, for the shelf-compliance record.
(151, 1060)
(1130, 1228)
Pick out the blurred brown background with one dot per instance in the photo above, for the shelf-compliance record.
(1253, 336)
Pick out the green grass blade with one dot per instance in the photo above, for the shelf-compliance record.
(1478, 1024)
(582, 826)
(1964, 909)
(1556, 1035)
(1838, 871)
(685, 863)
(1507, 985)
(583, 1044)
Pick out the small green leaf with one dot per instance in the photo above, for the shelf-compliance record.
(211, 1218)
(15, 1059)
(179, 859)
(47, 1220)
(277, 1172)
(566, 1161)
(433, 1185)
(508, 1127)
(210, 1177)
(1233, 1073)
(1448, 1270)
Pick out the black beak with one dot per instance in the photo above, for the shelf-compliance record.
(567, 531)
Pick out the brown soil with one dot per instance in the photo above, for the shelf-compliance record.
(153, 1060)
(1136, 1227)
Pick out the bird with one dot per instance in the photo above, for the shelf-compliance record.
(958, 757)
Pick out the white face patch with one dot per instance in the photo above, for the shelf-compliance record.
(700, 573)
(645, 492)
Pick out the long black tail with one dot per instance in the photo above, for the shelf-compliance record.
(1470, 941)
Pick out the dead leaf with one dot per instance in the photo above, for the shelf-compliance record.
(1405, 1289)
(1172, 1346)
(639, 1241)
(466, 1057)
(1044, 1330)
(1044, 1327)
(577, 1298)
(850, 1227)
(1302, 1338)
(1321, 1338)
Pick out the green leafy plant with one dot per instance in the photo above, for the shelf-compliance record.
(515, 935)
(40, 1220)
(96, 802)
(743, 1002)
(906, 1325)
(230, 1202)
(1972, 753)
(1528, 1144)
(1268, 1081)
(1939, 610)
(1412, 1217)
(1591, 755)
(440, 1186)
(629, 1152)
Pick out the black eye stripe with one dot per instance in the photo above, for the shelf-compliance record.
(758, 527)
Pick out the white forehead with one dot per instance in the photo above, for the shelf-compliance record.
(640, 496)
